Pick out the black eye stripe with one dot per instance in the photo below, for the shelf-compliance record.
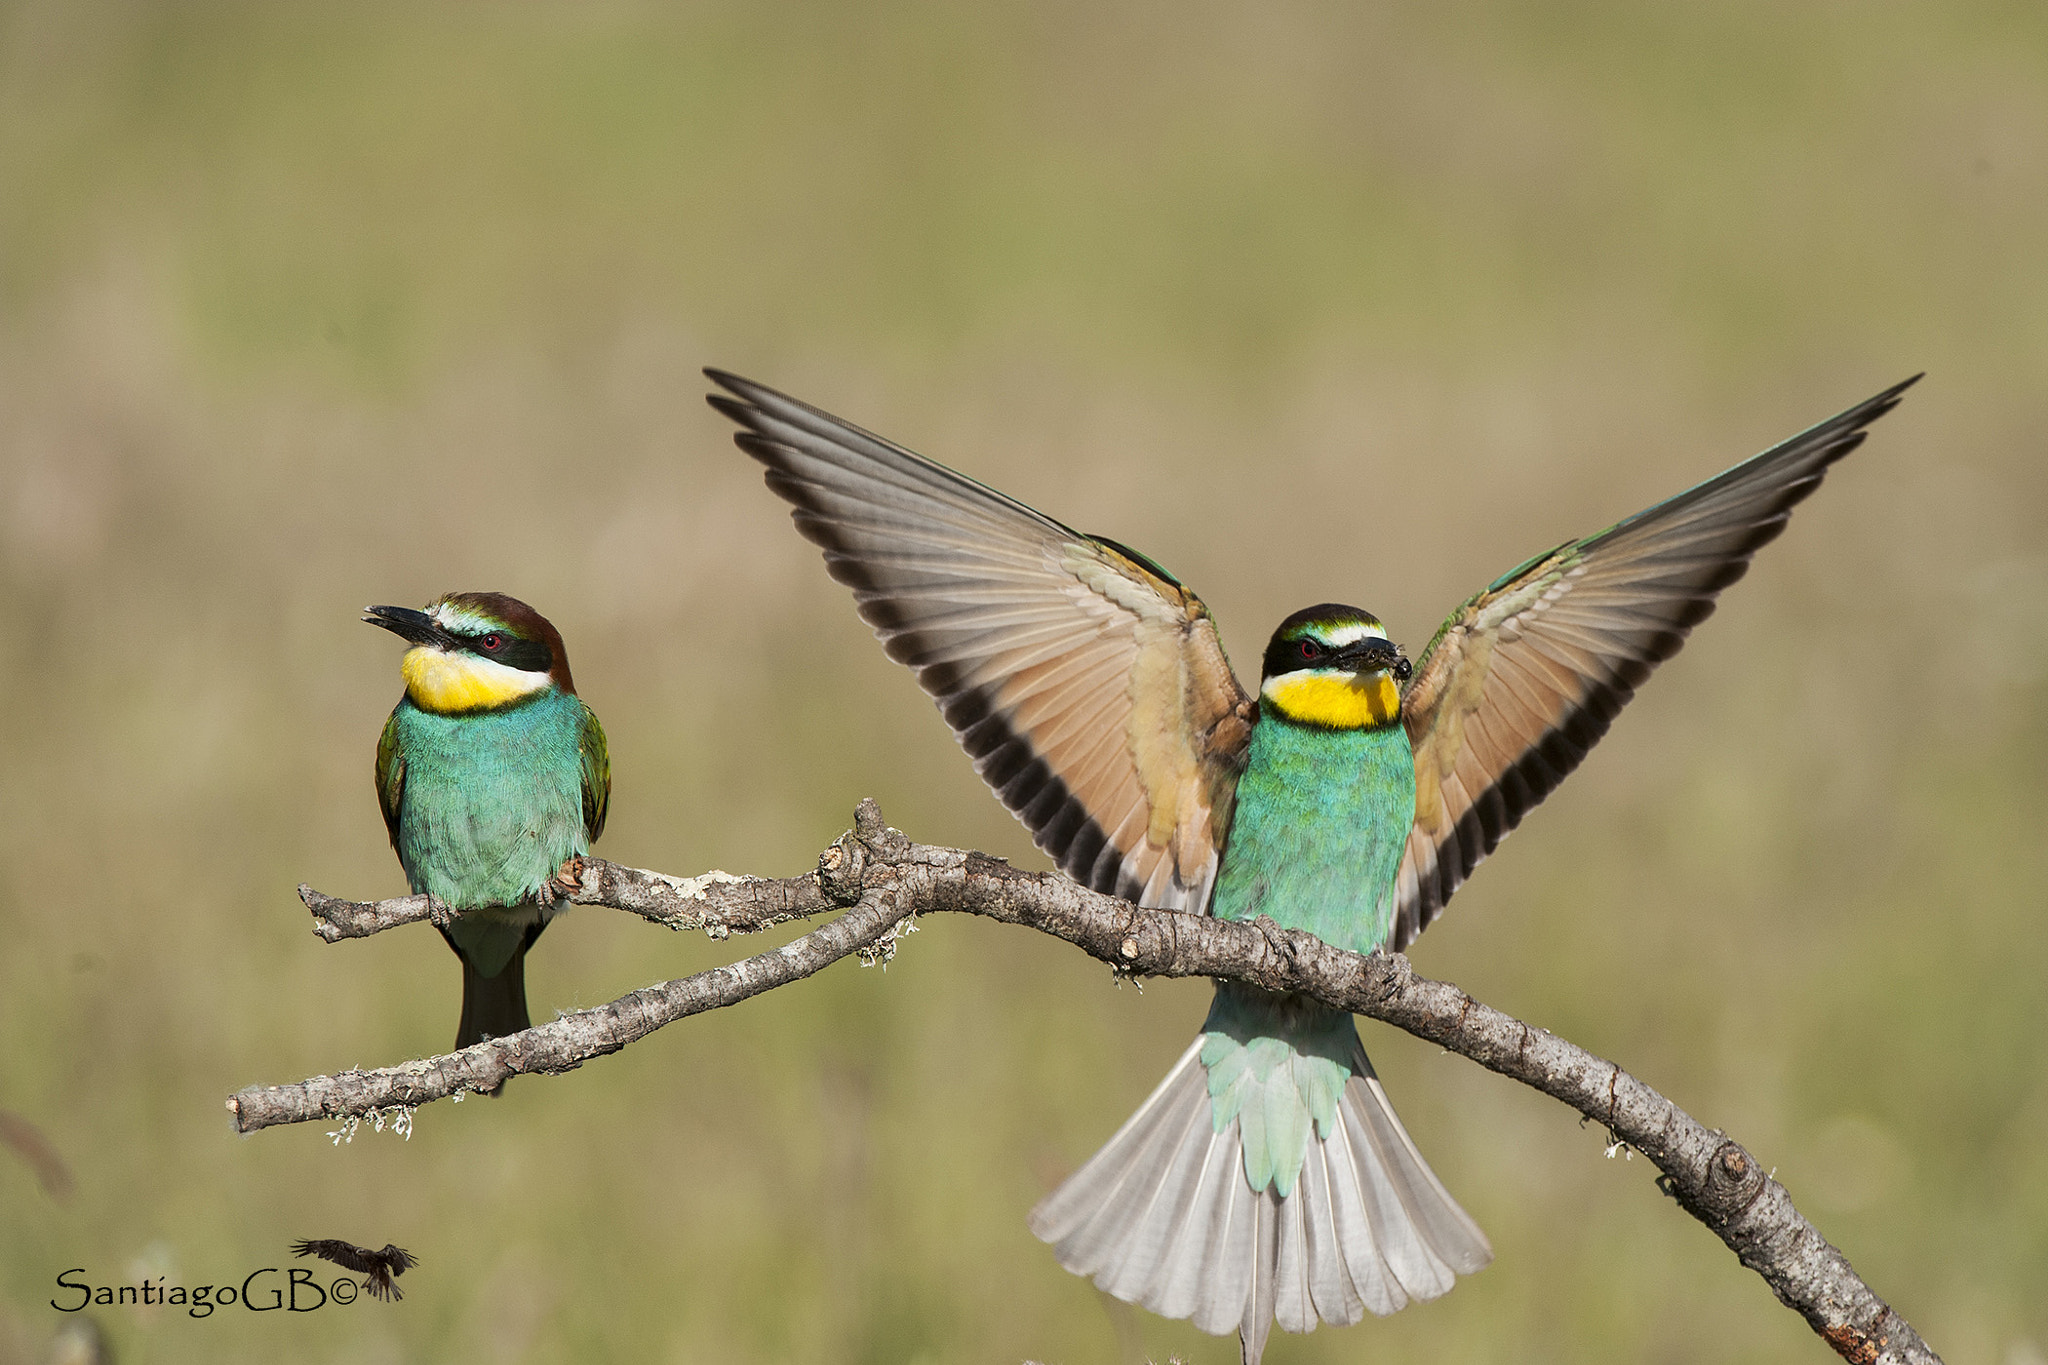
(1285, 655)
(528, 656)
(1291, 653)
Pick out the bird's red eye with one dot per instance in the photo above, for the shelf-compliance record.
(494, 641)
(1309, 649)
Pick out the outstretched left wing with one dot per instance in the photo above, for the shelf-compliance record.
(1524, 678)
(1086, 683)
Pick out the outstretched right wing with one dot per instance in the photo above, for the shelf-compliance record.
(1086, 683)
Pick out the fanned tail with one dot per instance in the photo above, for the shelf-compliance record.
(1164, 1217)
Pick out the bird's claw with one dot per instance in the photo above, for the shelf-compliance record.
(567, 881)
(438, 913)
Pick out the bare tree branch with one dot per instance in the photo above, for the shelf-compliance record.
(887, 879)
(716, 902)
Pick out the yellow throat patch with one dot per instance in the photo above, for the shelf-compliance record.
(1336, 701)
(445, 683)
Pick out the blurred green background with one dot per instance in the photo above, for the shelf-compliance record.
(308, 306)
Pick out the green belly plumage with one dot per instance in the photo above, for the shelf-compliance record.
(1322, 817)
(493, 806)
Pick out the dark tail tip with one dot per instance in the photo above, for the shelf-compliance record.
(493, 1006)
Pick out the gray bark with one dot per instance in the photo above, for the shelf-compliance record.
(884, 879)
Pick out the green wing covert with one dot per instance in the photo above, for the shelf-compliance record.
(597, 774)
(390, 777)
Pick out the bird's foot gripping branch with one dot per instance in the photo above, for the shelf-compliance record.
(878, 880)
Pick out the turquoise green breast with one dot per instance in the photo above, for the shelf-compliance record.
(1322, 819)
(493, 801)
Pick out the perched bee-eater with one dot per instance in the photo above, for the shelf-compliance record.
(493, 775)
(1267, 1177)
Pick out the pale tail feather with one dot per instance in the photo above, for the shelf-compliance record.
(1163, 1217)
(1256, 1319)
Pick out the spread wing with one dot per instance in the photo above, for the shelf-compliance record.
(1524, 678)
(597, 774)
(390, 777)
(1088, 685)
(347, 1255)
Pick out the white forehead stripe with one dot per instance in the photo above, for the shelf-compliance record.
(450, 617)
(1352, 632)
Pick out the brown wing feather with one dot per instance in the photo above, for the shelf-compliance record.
(398, 1258)
(1088, 686)
(347, 1255)
(1525, 678)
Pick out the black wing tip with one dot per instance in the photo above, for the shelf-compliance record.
(1877, 405)
(753, 401)
(738, 411)
(770, 453)
(743, 405)
(1842, 433)
(730, 382)
(1814, 450)
(749, 402)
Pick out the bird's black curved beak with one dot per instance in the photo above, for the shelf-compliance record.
(1372, 654)
(415, 626)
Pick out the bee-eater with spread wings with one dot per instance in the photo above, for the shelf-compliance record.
(1267, 1178)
